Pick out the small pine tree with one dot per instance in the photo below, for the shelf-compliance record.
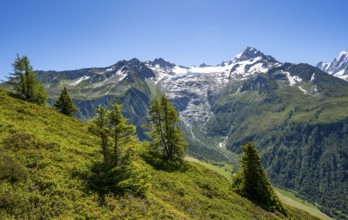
(64, 104)
(99, 126)
(24, 82)
(120, 130)
(252, 181)
(122, 170)
(167, 138)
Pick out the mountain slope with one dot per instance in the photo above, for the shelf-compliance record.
(252, 97)
(194, 89)
(42, 153)
(91, 87)
(286, 197)
(338, 67)
(297, 115)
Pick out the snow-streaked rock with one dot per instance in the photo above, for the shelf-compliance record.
(338, 67)
(198, 85)
(293, 80)
(76, 82)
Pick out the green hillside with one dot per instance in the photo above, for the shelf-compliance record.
(43, 154)
(300, 130)
(286, 197)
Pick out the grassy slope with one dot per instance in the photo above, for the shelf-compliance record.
(290, 199)
(48, 151)
(295, 133)
(286, 197)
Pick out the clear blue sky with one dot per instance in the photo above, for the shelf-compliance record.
(72, 34)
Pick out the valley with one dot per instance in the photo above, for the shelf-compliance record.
(296, 114)
(50, 155)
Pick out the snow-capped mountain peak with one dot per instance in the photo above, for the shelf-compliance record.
(323, 66)
(343, 54)
(251, 53)
(338, 67)
(196, 85)
(248, 54)
(161, 63)
(249, 62)
(341, 59)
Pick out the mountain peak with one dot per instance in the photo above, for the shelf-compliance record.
(204, 65)
(135, 61)
(250, 53)
(338, 67)
(343, 53)
(323, 66)
(342, 57)
(162, 63)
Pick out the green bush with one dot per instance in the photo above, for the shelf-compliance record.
(11, 170)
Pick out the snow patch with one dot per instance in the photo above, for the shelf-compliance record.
(258, 68)
(303, 90)
(79, 80)
(110, 69)
(122, 74)
(344, 77)
(292, 79)
(180, 70)
(315, 88)
(115, 78)
(343, 53)
(312, 77)
(238, 55)
(323, 66)
(223, 144)
(340, 73)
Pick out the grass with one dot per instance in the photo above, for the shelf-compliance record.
(48, 154)
(290, 199)
(223, 169)
(58, 147)
(286, 197)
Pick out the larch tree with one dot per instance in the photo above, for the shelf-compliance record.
(64, 104)
(167, 138)
(122, 170)
(99, 126)
(24, 82)
(121, 131)
(252, 181)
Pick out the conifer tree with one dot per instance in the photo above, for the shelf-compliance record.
(122, 170)
(99, 126)
(120, 130)
(167, 138)
(24, 82)
(64, 104)
(113, 130)
(252, 181)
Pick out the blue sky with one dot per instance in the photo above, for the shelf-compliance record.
(72, 34)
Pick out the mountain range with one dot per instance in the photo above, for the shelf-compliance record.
(295, 113)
